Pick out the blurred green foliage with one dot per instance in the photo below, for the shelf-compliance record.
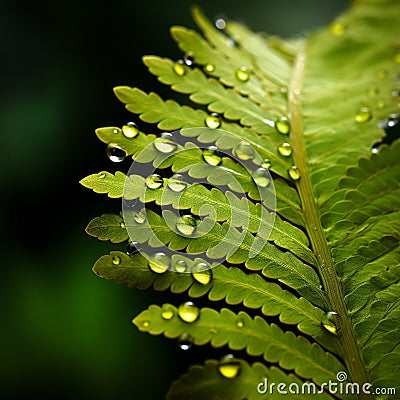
(66, 333)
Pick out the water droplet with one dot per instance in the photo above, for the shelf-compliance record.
(180, 266)
(391, 122)
(213, 330)
(102, 175)
(179, 68)
(176, 183)
(266, 163)
(337, 29)
(220, 23)
(212, 156)
(282, 125)
(294, 173)
(328, 322)
(373, 91)
(115, 153)
(131, 248)
(115, 131)
(209, 68)
(154, 181)
(139, 217)
(145, 324)
(382, 74)
(188, 59)
(201, 273)
(375, 148)
(363, 115)
(186, 225)
(213, 121)
(164, 145)
(240, 323)
(242, 74)
(159, 263)
(188, 312)
(167, 311)
(229, 367)
(243, 151)
(116, 260)
(285, 149)
(380, 104)
(261, 177)
(130, 130)
(185, 341)
(397, 58)
(122, 225)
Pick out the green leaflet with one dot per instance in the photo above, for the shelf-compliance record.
(108, 227)
(229, 284)
(206, 382)
(255, 336)
(318, 266)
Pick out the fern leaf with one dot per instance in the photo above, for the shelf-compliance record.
(316, 269)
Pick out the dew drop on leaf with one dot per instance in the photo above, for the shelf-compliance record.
(180, 266)
(122, 225)
(188, 59)
(145, 324)
(380, 104)
(373, 91)
(220, 23)
(328, 322)
(185, 341)
(154, 181)
(139, 217)
(294, 173)
(159, 263)
(212, 156)
(102, 175)
(188, 312)
(179, 68)
(186, 225)
(261, 177)
(266, 163)
(116, 260)
(363, 115)
(164, 145)
(240, 323)
(209, 68)
(243, 151)
(115, 153)
(201, 273)
(176, 183)
(282, 125)
(229, 367)
(382, 74)
(375, 149)
(285, 149)
(115, 131)
(213, 121)
(131, 248)
(130, 130)
(167, 311)
(337, 28)
(242, 74)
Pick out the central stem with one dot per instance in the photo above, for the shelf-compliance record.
(345, 337)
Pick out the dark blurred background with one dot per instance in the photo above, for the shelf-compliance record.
(65, 333)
